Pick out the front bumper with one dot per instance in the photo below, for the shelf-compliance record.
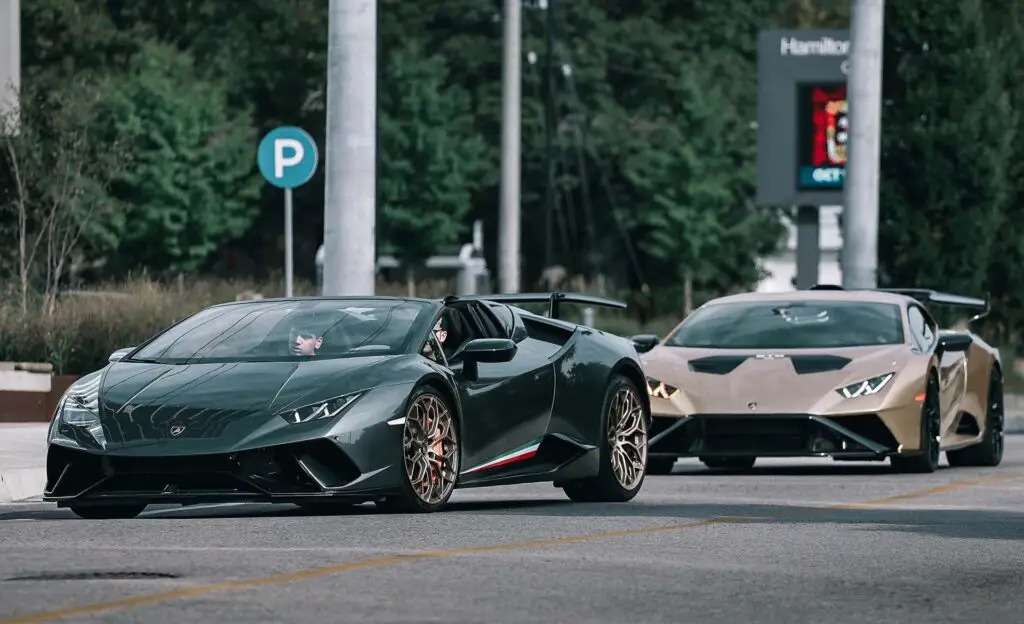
(849, 437)
(297, 472)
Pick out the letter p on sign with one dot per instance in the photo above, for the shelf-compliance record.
(296, 152)
(287, 157)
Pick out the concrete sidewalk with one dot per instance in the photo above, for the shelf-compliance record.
(23, 454)
(22, 461)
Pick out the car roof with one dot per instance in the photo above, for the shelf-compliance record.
(866, 296)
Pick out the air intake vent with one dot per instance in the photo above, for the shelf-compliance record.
(806, 364)
(717, 364)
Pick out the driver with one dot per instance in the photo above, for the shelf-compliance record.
(440, 334)
(306, 334)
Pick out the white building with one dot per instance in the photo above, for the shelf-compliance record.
(782, 266)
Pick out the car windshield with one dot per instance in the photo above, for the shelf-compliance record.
(790, 325)
(290, 330)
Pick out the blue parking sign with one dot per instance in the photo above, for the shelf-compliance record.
(287, 157)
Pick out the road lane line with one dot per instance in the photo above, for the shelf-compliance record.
(934, 491)
(380, 562)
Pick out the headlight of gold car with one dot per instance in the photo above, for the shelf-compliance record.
(660, 389)
(866, 387)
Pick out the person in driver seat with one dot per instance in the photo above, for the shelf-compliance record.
(447, 333)
(306, 334)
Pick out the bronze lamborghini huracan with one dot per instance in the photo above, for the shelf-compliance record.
(851, 374)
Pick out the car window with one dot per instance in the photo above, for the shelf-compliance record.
(284, 330)
(786, 324)
(920, 327)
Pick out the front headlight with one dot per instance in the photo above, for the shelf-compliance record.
(319, 411)
(78, 416)
(866, 387)
(660, 389)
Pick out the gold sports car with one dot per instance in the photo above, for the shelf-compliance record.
(851, 374)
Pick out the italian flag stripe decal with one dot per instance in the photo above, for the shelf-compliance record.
(520, 454)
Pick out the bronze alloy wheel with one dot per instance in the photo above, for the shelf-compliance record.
(430, 449)
(627, 437)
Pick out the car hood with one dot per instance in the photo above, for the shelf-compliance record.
(780, 381)
(139, 402)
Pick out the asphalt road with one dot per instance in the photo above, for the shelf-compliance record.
(789, 542)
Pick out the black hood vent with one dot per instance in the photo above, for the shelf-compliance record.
(717, 364)
(806, 364)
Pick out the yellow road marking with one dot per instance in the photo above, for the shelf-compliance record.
(379, 562)
(935, 491)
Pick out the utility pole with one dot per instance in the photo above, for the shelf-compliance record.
(511, 95)
(350, 162)
(550, 129)
(860, 236)
(10, 63)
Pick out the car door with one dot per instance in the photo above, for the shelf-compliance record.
(952, 366)
(506, 405)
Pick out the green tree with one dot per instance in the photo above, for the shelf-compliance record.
(194, 184)
(948, 136)
(430, 159)
(54, 181)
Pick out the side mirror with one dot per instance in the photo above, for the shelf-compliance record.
(645, 342)
(489, 350)
(955, 342)
(118, 355)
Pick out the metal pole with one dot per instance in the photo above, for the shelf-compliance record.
(549, 135)
(808, 246)
(10, 62)
(860, 238)
(289, 267)
(350, 197)
(508, 223)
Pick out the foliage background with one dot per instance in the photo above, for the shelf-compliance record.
(653, 145)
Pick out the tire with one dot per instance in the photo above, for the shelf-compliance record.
(623, 420)
(988, 452)
(927, 460)
(660, 465)
(106, 512)
(729, 463)
(425, 406)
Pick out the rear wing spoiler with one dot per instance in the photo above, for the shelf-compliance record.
(981, 307)
(553, 299)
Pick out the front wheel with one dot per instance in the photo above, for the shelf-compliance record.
(430, 455)
(106, 512)
(623, 453)
(729, 463)
(927, 460)
(660, 465)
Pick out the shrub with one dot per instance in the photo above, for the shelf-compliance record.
(86, 326)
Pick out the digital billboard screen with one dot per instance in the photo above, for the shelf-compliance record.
(823, 131)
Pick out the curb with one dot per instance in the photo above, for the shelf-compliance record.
(22, 484)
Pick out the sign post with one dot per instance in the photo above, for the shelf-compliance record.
(802, 130)
(287, 158)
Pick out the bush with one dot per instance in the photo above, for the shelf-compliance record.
(87, 325)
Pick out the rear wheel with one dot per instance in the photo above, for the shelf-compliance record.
(430, 455)
(106, 512)
(927, 460)
(623, 454)
(988, 452)
(729, 463)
